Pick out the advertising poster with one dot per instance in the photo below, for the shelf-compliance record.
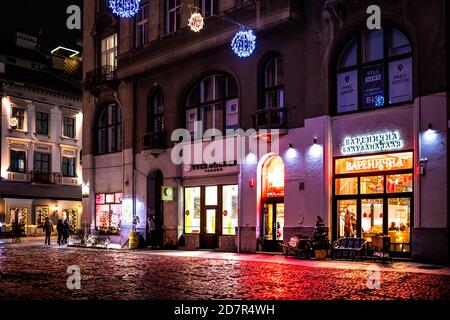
(232, 114)
(400, 81)
(372, 86)
(347, 91)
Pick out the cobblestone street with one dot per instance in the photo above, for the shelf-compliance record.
(35, 271)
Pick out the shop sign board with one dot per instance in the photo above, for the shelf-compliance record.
(205, 169)
(371, 143)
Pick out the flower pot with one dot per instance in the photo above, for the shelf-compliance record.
(320, 254)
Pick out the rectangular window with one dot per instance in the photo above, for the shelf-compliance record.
(173, 8)
(208, 7)
(109, 52)
(229, 209)
(17, 161)
(108, 215)
(19, 115)
(41, 214)
(192, 207)
(372, 185)
(68, 167)
(371, 217)
(347, 91)
(42, 123)
(142, 26)
(42, 162)
(399, 213)
(373, 47)
(69, 127)
(399, 183)
(347, 218)
(346, 186)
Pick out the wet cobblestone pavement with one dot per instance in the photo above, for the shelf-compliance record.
(39, 272)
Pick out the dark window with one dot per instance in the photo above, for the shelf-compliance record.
(207, 101)
(41, 122)
(273, 83)
(109, 130)
(42, 162)
(19, 114)
(68, 167)
(208, 7)
(155, 112)
(173, 8)
(17, 161)
(69, 127)
(374, 70)
(142, 25)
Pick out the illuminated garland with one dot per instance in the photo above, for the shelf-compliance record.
(244, 43)
(124, 8)
(196, 22)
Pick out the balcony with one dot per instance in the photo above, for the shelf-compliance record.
(39, 177)
(104, 76)
(154, 140)
(271, 118)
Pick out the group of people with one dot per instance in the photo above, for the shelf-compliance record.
(62, 227)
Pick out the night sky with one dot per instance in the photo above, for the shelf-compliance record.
(33, 15)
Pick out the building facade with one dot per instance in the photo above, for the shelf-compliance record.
(350, 124)
(41, 136)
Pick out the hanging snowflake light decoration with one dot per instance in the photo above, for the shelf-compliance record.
(196, 22)
(244, 43)
(124, 8)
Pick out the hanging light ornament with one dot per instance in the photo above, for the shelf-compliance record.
(196, 22)
(124, 8)
(244, 43)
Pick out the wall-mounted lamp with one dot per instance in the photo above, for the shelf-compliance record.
(290, 146)
(315, 140)
(423, 166)
(430, 128)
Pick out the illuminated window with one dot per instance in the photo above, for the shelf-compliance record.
(109, 52)
(19, 115)
(399, 210)
(371, 218)
(192, 207)
(347, 218)
(374, 184)
(273, 177)
(399, 183)
(17, 161)
(346, 186)
(229, 209)
(108, 212)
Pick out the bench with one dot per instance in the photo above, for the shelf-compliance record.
(299, 247)
(348, 248)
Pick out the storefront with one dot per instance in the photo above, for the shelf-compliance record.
(211, 207)
(108, 212)
(373, 195)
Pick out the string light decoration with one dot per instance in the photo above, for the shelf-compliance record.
(244, 43)
(379, 101)
(124, 8)
(196, 22)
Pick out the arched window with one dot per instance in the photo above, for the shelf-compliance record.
(109, 130)
(374, 70)
(213, 101)
(155, 136)
(273, 83)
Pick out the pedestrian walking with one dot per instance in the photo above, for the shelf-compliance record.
(48, 229)
(151, 230)
(66, 230)
(60, 230)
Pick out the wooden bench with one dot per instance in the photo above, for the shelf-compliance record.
(348, 248)
(299, 247)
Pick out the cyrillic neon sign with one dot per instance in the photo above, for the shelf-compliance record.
(371, 143)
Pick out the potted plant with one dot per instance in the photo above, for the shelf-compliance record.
(321, 244)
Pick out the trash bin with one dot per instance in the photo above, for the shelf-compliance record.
(133, 240)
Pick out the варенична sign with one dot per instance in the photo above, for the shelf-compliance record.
(369, 143)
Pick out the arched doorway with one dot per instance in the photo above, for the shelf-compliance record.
(272, 201)
(155, 206)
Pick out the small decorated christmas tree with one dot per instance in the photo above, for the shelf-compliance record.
(320, 237)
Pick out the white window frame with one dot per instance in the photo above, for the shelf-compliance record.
(141, 31)
(172, 11)
(107, 51)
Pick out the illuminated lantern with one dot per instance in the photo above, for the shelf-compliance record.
(13, 122)
(196, 22)
(244, 43)
(124, 8)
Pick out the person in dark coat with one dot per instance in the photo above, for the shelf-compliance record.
(48, 229)
(66, 230)
(60, 230)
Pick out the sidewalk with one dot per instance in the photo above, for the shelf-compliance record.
(397, 266)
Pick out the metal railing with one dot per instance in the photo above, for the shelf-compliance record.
(154, 140)
(45, 177)
(100, 75)
(270, 118)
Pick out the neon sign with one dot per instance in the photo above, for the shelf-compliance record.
(370, 143)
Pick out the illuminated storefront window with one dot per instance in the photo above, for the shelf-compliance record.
(72, 215)
(192, 210)
(108, 212)
(229, 210)
(41, 213)
(373, 196)
(273, 178)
